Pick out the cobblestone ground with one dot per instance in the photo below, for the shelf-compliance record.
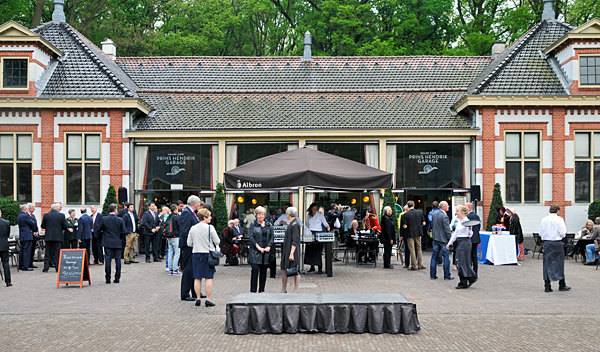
(506, 310)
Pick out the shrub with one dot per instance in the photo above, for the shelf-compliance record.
(220, 208)
(111, 197)
(594, 210)
(496, 203)
(10, 209)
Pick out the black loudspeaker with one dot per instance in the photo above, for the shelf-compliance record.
(475, 192)
(122, 195)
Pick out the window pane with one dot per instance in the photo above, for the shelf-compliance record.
(591, 79)
(512, 144)
(24, 147)
(582, 181)
(74, 183)
(92, 183)
(531, 145)
(583, 79)
(92, 147)
(6, 180)
(513, 182)
(24, 183)
(597, 144)
(74, 146)
(597, 180)
(6, 147)
(583, 60)
(15, 73)
(532, 181)
(591, 70)
(582, 145)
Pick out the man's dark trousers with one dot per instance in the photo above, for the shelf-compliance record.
(112, 253)
(85, 244)
(5, 266)
(187, 279)
(97, 250)
(474, 257)
(406, 254)
(25, 254)
(155, 240)
(51, 254)
(387, 254)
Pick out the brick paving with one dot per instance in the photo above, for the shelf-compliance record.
(506, 310)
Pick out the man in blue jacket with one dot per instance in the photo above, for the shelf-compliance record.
(97, 236)
(27, 227)
(187, 219)
(113, 229)
(84, 233)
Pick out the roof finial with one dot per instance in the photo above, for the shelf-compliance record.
(59, 14)
(307, 47)
(548, 13)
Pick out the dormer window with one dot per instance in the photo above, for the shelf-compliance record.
(589, 70)
(14, 73)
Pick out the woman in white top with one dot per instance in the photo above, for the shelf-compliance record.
(462, 237)
(315, 222)
(203, 238)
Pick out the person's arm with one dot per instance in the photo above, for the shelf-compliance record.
(43, 225)
(253, 242)
(446, 227)
(272, 240)
(215, 238)
(324, 222)
(452, 239)
(190, 239)
(295, 241)
(562, 228)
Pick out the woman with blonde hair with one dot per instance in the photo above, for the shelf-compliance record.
(462, 237)
(203, 238)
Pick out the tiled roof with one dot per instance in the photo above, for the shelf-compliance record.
(522, 69)
(291, 73)
(85, 71)
(276, 111)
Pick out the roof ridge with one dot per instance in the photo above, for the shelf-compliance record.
(73, 33)
(354, 58)
(509, 57)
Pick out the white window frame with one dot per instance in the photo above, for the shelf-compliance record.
(2, 72)
(15, 161)
(522, 160)
(83, 161)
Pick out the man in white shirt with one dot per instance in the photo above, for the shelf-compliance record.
(552, 231)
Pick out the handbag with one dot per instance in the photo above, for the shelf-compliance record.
(291, 270)
(214, 257)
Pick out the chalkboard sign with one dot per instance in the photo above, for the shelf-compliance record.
(73, 267)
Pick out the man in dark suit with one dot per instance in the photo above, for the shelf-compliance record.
(187, 219)
(413, 221)
(27, 227)
(55, 225)
(113, 228)
(35, 234)
(4, 233)
(84, 232)
(150, 222)
(131, 221)
(121, 214)
(97, 236)
(475, 239)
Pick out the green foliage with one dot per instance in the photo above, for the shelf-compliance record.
(10, 209)
(496, 203)
(111, 197)
(220, 208)
(389, 200)
(594, 210)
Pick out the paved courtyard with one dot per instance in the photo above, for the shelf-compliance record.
(506, 310)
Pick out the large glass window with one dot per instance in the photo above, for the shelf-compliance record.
(253, 151)
(83, 168)
(589, 70)
(430, 165)
(14, 73)
(522, 167)
(587, 166)
(15, 166)
(352, 151)
(179, 166)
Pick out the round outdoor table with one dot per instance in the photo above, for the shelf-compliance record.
(367, 249)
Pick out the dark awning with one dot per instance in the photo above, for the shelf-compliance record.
(305, 167)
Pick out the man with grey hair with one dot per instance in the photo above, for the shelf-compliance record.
(187, 219)
(27, 227)
(55, 225)
(552, 231)
(440, 225)
(35, 234)
(388, 234)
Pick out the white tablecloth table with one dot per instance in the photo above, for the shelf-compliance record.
(502, 249)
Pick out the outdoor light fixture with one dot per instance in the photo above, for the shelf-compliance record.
(254, 201)
(382, 191)
(353, 201)
(240, 199)
(366, 199)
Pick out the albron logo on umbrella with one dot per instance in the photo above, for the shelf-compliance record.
(175, 170)
(241, 184)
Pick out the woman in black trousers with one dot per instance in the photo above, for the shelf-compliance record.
(260, 234)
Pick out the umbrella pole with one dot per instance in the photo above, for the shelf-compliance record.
(302, 202)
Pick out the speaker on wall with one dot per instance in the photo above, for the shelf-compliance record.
(122, 195)
(476, 192)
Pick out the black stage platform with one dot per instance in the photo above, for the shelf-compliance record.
(315, 312)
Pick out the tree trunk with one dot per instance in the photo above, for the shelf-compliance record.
(37, 14)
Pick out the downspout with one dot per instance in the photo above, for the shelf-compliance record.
(131, 162)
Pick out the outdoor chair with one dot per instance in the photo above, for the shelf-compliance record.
(538, 244)
(399, 250)
(568, 243)
(13, 252)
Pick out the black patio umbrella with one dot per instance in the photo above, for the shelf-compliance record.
(305, 167)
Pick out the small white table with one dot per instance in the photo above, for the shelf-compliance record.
(501, 249)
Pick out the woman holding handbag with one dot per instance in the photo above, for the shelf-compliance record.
(289, 250)
(260, 234)
(203, 239)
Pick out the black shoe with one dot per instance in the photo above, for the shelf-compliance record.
(33, 267)
(312, 268)
(8, 284)
(108, 281)
(589, 263)
(209, 304)
(44, 270)
(157, 260)
(406, 266)
(198, 302)
(202, 295)
(134, 261)
(472, 281)
(548, 289)
(116, 281)
(449, 278)
(564, 288)
(27, 269)
(148, 261)
(127, 262)
(336, 259)
(320, 272)
(434, 278)
(188, 299)
(460, 287)
(389, 267)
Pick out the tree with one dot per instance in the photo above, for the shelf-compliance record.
(111, 198)
(496, 203)
(10, 209)
(594, 210)
(220, 208)
(390, 201)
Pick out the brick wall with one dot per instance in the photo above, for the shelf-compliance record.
(47, 172)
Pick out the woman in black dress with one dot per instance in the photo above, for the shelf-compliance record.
(260, 234)
(289, 250)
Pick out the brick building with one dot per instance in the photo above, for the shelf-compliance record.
(75, 118)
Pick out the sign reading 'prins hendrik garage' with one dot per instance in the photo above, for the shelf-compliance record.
(175, 158)
(428, 157)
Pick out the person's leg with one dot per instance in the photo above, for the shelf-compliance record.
(156, 240)
(198, 287)
(263, 278)
(387, 254)
(21, 254)
(27, 254)
(56, 253)
(208, 286)
(446, 261)
(411, 247)
(127, 255)
(95, 249)
(474, 261)
(5, 266)
(434, 259)
(254, 277)
(48, 255)
(176, 253)
(591, 252)
(147, 242)
(170, 254)
(117, 256)
(107, 265)
(284, 281)
(406, 254)
(187, 279)
(32, 253)
(123, 246)
(548, 285)
(464, 282)
(419, 253)
(296, 283)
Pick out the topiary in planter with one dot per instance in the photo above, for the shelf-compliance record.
(496, 203)
(111, 197)
(220, 208)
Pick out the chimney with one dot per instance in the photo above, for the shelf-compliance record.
(307, 47)
(59, 14)
(548, 13)
(498, 48)
(109, 48)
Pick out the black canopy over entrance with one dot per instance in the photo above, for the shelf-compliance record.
(305, 167)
